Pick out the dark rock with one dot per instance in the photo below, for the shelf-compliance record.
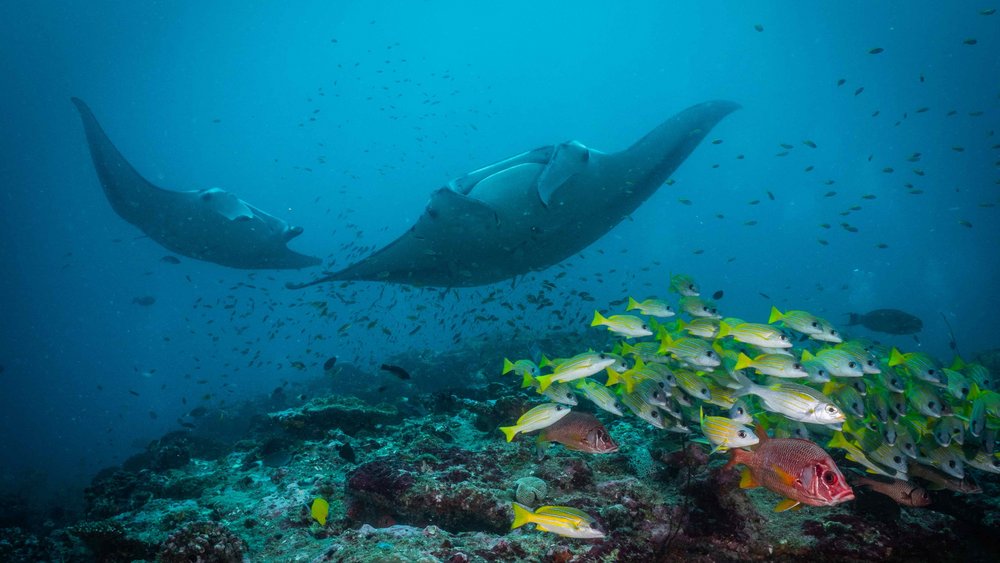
(108, 541)
(313, 420)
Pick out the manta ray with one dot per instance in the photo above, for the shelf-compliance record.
(210, 224)
(532, 210)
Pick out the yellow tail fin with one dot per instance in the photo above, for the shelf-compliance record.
(528, 381)
(632, 304)
(598, 319)
(508, 366)
(522, 516)
(543, 382)
(509, 431)
(776, 315)
(724, 330)
(743, 361)
(896, 358)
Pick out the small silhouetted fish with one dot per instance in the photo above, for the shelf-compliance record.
(970, 41)
(889, 321)
(764, 295)
(841, 82)
(347, 452)
(381, 388)
(198, 411)
(718, 294)
(145, 300)
(170, 259)
(876, 51)
(770, 196)
(859, 90)
(136, 393)
(760, 27)
(395, 370)
(328, 365)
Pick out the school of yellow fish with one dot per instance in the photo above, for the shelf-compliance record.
(896, 415)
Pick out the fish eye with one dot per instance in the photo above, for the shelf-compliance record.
(829, 477)
(569, 395)
(964, 390)
(783, 338)
(833, 332)
(814, 324)
(852, 365)
(644, 327)
(709, 354)
(654, 414)
(908, 446)
(796, 366)
(930, 404)
(831, 409)
(930, 371)
(560, 407)
(897, 459)
(951, 463)
(602, 356)
(742, 433)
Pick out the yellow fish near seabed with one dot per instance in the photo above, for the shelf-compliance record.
(320, 510)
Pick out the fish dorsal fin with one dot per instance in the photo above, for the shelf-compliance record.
(747, 481)
(785, 477)
(788, 504)
(568, 159)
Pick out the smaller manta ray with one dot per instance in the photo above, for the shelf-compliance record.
(532, 210)
(211, 224)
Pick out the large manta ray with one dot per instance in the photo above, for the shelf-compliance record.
(211, 224)
(532, 210)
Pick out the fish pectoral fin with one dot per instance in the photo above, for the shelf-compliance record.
(747, 481)
(785, 477)
(787, 504)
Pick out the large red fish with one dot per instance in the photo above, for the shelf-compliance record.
(799, 470)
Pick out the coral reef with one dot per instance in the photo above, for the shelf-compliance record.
(530, 490)
(202, 542)
(429, 478)
(349, 414)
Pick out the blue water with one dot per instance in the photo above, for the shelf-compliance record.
(343, 119)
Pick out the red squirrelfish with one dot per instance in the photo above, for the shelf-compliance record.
(578, 431)
(798, 470)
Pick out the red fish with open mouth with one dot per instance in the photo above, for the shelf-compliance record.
(799, 470)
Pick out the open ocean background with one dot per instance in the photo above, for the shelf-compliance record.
(343, 117)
